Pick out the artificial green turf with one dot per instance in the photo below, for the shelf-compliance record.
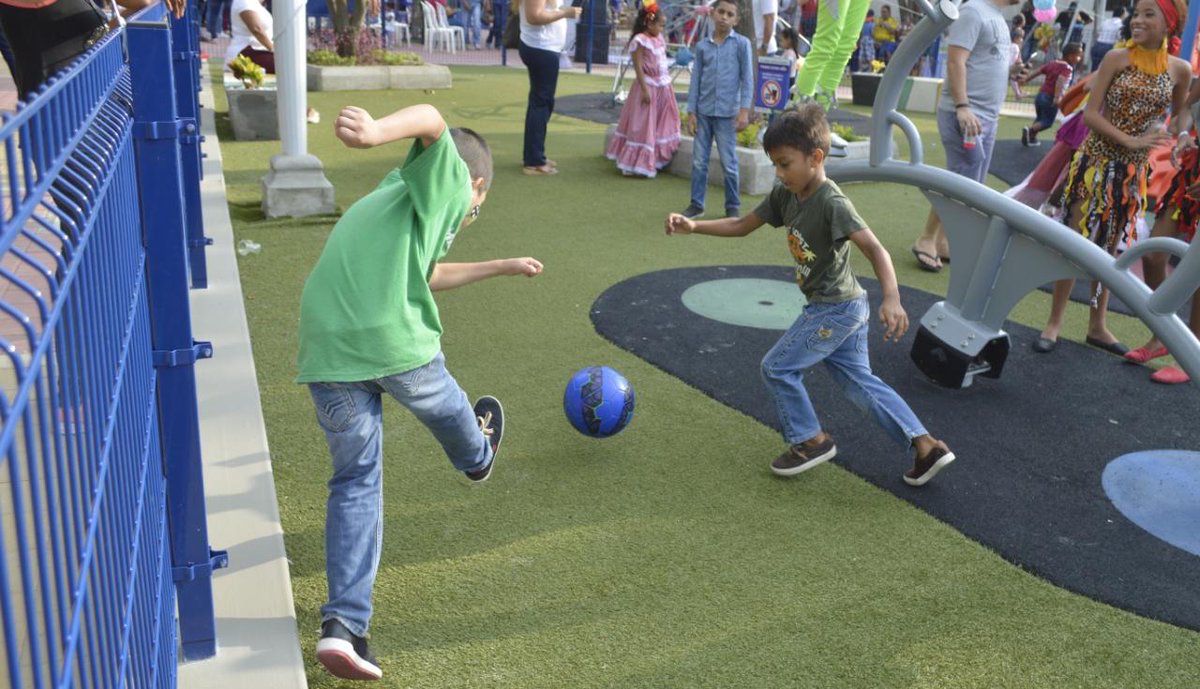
(667, 556)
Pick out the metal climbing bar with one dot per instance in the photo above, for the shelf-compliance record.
(1003, 249)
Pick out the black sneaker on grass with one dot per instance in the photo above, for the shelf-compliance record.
(693, 211)
(491, 421)
(800, 458)
(344, 654)
(732, 213)
(925, 468)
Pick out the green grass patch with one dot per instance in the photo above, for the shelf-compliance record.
(667, 556)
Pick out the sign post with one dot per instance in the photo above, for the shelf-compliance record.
(772, 89)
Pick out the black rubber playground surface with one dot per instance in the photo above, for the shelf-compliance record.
(1031, 445)
(599, 107)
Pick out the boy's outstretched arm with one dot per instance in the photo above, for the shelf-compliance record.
(891, 313)
(357, 129)
(725, 227)
(451, 275)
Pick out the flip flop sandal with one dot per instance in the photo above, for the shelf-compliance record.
(930, 267)
(1141, 355)
(1169, 375)
(540, 170)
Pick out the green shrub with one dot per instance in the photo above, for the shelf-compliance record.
(327, 58)
(247, 71)
(846, 132)
(383, 57)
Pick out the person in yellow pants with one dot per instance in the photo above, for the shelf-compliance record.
(839, 23)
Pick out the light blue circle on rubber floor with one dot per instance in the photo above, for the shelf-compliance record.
(1159, 490)
(750, 302)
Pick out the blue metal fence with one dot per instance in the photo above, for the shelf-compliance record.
(102, 525)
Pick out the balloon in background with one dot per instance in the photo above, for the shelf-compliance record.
(1045, 16)
(1043, 4)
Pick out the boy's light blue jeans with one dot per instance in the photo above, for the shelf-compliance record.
(723, 129)
(351, 415)
(474, 23)
(837, 335)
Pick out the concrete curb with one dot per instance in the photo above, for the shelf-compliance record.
(258, 644)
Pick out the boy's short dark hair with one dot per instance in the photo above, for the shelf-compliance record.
(804, 128)
(732, 3)
(475, 152)
(1072, 49)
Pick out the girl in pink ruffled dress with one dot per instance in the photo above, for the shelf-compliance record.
(647, 135)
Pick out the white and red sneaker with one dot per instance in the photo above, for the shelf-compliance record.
(344, 654)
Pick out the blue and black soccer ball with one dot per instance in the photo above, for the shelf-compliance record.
(599, 401)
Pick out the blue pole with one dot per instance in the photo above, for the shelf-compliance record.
(513, 15)
(1189, 31)
(591, 6)
(156, 130)
(186, 56)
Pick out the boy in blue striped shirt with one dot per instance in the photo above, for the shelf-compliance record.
(719, 105)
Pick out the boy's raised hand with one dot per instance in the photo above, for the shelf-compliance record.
(893, 317)
(356, 128)
(679, 224)
(526, 265)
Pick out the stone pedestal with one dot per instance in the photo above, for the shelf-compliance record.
(296, 186)
(253, 112)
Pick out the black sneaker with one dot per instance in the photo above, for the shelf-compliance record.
(345, 655)
(1024, 136)
(732, 213)
(491, 421)
(925, 468)
(800, 458)
(693, 211)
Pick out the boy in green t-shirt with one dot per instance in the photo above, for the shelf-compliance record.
(369, 326)
(833, 326)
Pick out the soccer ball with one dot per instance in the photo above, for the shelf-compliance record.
(598, 401)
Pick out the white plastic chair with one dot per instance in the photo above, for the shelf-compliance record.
(433, 33)
(456, 32)
(397, 29)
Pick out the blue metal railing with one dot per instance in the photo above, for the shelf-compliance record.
(102, 523)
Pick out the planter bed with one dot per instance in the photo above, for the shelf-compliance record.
(253, 112)
(377, 77)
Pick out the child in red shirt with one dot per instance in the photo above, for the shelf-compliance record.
(1058, 77)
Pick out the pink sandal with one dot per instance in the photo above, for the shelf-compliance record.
(1169, 375)
(1141, 355)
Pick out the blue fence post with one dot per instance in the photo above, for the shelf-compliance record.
(1189, 31)
(161, 175)
(186, 60)
(591, 25)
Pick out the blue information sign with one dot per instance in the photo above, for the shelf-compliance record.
(773, 86)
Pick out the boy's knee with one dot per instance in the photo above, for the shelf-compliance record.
(772, 372)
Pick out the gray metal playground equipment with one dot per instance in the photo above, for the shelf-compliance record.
(1003, 249)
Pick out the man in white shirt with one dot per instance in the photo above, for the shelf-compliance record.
(764, 12)
(1107, 36)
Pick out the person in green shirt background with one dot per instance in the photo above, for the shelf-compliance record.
(369, 326)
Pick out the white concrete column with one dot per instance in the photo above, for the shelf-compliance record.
(295, 185)
(290, 44)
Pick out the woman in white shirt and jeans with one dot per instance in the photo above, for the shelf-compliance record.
(543, 35)
(1107, 36)
(252, 30)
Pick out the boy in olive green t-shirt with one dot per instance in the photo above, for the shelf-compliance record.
(821, 224)
(369, 326)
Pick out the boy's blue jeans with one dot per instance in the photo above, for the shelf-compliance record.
(351, 415)
(723, 129)
(474, 24)
(837, 335)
